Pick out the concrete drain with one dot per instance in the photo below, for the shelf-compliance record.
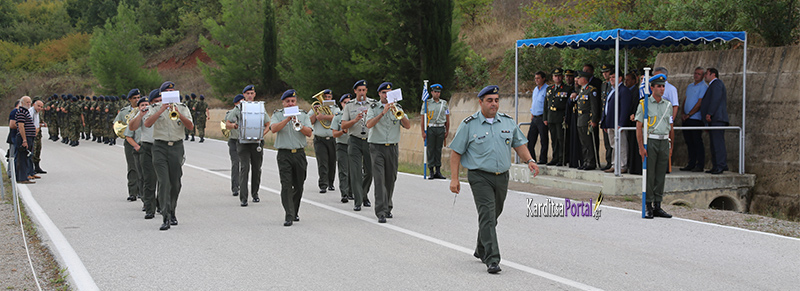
(723, 203)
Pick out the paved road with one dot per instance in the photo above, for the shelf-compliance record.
(427, 245)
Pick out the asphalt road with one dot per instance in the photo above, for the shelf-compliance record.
(219, 245)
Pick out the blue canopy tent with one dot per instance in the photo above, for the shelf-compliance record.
(623, 38)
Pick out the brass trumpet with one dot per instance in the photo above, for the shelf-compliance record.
(398, 112)
(173, 112)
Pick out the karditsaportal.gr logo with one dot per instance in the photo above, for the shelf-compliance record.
(570, 208)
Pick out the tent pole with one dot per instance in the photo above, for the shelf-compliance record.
(617, 166)
(516, 91)
(744, 107)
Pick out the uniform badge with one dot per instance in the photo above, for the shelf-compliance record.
(258, 149)
(508, 141)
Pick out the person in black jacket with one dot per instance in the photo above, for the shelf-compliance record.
(714, 110)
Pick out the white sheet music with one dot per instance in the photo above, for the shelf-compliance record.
(291, 111)
(171, 97)
(394, 96)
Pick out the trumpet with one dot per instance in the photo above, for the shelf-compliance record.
(173, 112)
(398, 112)
(296, 124)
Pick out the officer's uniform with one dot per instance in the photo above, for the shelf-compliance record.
(436, 131)
(588, 104)
(200, 108)
(233, 143)
(343, 161)
(146, 167)
(485, 149)
(136, 136)
(168, 157)
(292, 162)
(251, 155)
(325, 149)
(555, 107)
(658, 143)
(383, 139)
(605, 89)
(124, 115)
(360, 165)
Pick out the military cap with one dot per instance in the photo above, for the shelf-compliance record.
(569, 73)
(248, 88)
(133, 93)
(74, 98)
(385, 86)
(583, 74)
(55, 96)
(186, 97)
(193, 96)
(436, 87)
(153, 95)
(345, 95)
(659, 79)
(557, 72)
(143, 99)
(359, 83)
(115, 98)
(289, 93)
(606, 67)
(166, 85)
(327, 91)
(238, 98)
(94, 98)
(202, 97)
(491, 89)
(69, 96)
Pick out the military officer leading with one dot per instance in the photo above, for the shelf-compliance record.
(353, 120)
(342, 159)
(437, 131)
(383, 139)
(588, 103)
(554, 111)
(324, 144)
(291, 158)
(482, 144)
(168, 153)
(659, 142)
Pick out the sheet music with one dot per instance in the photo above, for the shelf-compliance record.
(394, 96)
(171, 97)
(291, 111)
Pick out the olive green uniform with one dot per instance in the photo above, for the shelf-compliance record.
(292, 162)
(325, 149)
(436, 131)
(343, 160)
(383, 139)
(125, 114)
(360, 165)
(168, 157)
(485, 150)
(605, 89)
(233, 143)
(588, 111)
(658, 143)
(200, 108)
(147, 173)
(555, 107)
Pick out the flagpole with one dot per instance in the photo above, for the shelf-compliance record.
(644, 138)
(425, 129)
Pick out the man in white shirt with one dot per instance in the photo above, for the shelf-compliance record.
(671, 95)
(537, 128)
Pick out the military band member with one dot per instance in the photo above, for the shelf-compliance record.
(354, 121)
(324, 145)
(124, 116)
(437, 131)
(233, 143)
(342, 159)
(588, 104)
(201, 111)
(134, 138)
(383, 140)
(168, 153)
(251, 155)
(148, 173)
(291, 158)
(482, 144)
(554, 111)
(660, 136)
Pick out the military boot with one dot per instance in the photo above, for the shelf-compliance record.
(100, 139)
(648, 213)
(94, 138)
(187, 137)
(438, 174)
(82, 136)
(192, 138)
(202, 139)
(38, 169)
(430, 176)
(658, 212)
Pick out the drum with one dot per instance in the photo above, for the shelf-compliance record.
(251, 129)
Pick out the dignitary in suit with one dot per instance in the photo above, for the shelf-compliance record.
(610, 115)
(691, 118)
(714, 110)
(538, 129)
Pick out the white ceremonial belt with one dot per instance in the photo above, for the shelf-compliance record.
(436, 125)
(658, 136)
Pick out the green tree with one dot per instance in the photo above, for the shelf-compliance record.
(269, 67)
(776, 21)
(474, 10)
(237, 47)
(114, 57)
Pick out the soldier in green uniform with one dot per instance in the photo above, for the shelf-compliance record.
(250, 152)
(383, 139)
(482, 144)
(75, 117)
(360, 165)
(148, 172)
(62, 119)
(110, 111)
(188, 102)
(124, 116)
(291, 158)
(168, 153)
(233, 143)
(437, 131)
(343, 161)
(555, 107)
(659, 142)
(201, 111)
(134, 139)
(605, 89)
(588, 104)
(324, 144)
(52, 121)
(192, 106)
(98, 117)
(87, 113)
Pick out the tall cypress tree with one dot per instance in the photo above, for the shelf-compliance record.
(269, 72)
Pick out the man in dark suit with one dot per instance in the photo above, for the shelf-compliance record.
(609, 114)
(714, 110)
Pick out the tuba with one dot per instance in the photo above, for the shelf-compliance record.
(320, 109)
(225, 131)
(120, 127)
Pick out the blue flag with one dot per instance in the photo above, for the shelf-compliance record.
(643, 90)
(425, 94)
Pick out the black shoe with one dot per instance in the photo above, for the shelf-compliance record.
(350, 197)
(381, 219)
(541, 162)
(559, 164)
(606, 167)
(494, 268)
(389, 215)
(187, 137)
(552, 163)
(344, 200)
(717, 172)
(581, 167)
(173, 221)
(256, 200)
(99, 140)
(149, 216)
(202, 139)
(330, 188)
(439, 176)
(323, 190)
(367, 204)
(94, 138)
(648, 213)
(687, 168)
(144, 208)
(244, 204)
(296, 218)
(431, 177)
(658, 212)
(132, 198)
(235, 193)
(477, 256)
(589, 168)
(164, 226)
(697, 170)
(712, 170)
(357, 208)
(192, 138)
(287, 223)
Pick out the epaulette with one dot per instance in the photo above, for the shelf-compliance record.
(278, 110)
(590, 87)
(302, 111)
(373, 105)
(351, 101)
(503, 115)
(468, 119)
